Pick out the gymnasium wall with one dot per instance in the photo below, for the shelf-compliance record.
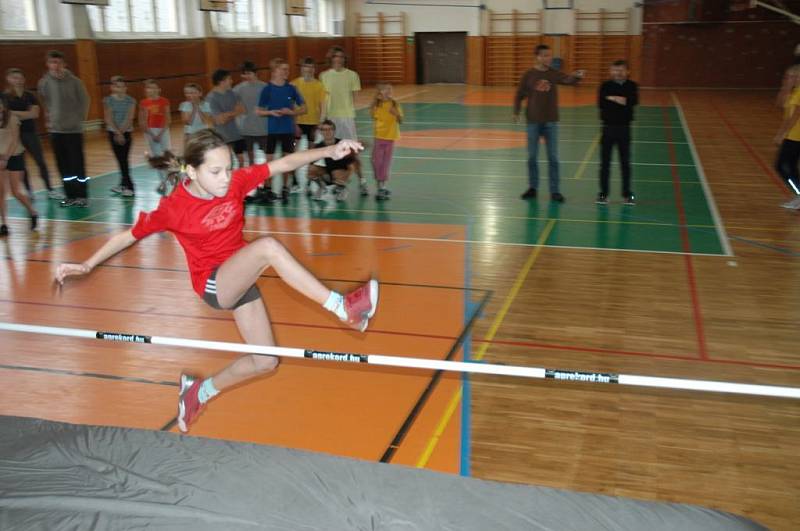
(172, 63)
(497, 51)
(704, 44)
(464, 15)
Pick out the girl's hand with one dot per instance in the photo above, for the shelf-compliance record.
(67, 270)
(343, 149)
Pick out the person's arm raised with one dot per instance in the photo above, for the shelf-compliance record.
(113, 245)
(336, 151)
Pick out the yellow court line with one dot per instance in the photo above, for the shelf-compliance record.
(498, 321)
(588, 157)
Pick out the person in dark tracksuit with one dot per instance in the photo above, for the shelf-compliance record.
(66, 103)
(616, 99)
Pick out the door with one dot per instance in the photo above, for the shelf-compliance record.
(441, 57)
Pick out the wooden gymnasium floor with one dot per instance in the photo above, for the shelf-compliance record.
(699, 280)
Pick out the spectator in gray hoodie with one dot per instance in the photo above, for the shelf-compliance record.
(66, 104)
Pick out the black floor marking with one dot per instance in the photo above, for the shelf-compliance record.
(412, 415)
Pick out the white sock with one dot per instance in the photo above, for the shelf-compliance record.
(207, 391)
(335, 304)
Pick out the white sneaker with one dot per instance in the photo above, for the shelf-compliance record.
(794, 204)
(55, 194)
(341, 195)
(295, 189)
(117, 189)
(127, 192)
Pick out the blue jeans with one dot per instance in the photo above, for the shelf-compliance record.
(549, 130)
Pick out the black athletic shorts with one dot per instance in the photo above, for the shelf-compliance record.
(286, 140)
(210, 294)
(251, 141)
(238, 146)
(309, 131)
(16, 163)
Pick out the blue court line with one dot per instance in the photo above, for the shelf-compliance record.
(775, 248)
(466, 395)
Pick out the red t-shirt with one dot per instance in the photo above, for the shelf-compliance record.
(209, 230)
(156, 112)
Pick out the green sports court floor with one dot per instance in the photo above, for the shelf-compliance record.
(454, 166)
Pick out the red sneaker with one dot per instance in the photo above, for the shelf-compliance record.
(189, 406)
(360, 305)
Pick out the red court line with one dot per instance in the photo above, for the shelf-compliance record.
(526, 344)
(687, 259)
(678, 357)
(753, 153)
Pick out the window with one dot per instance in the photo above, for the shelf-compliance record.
(316, 19)
(135, 16)
(18, 16)
(247, 16)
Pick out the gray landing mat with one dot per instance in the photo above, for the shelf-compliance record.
(56, 476)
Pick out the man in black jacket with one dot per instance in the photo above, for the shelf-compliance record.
(616, 99)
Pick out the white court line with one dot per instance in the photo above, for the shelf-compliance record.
(509, 123)
(527, 218)
(514, 177)
(712, 205)
(484, 139)
(542, 161)
(409, 238)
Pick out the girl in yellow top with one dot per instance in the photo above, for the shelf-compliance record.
(388, 116)
(788, 138)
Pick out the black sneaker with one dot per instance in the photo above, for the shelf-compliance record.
(68, 202)
(3, 230)
(530, 193)
(264, 197)
(34, 221)
(629, 200)
(285, 196)
(602, 199)
(557, 197)
(81, 203)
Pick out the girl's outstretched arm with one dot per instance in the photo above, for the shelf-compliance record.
(115, 244)
(299, 159)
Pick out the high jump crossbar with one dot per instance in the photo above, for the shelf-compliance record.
(563, 375)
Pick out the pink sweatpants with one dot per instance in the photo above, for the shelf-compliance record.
(382, 158)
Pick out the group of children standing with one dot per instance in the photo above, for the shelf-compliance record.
(273, 115)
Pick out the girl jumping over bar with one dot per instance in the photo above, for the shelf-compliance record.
(206, 214)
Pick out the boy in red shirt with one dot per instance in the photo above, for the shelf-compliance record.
(206, 214)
